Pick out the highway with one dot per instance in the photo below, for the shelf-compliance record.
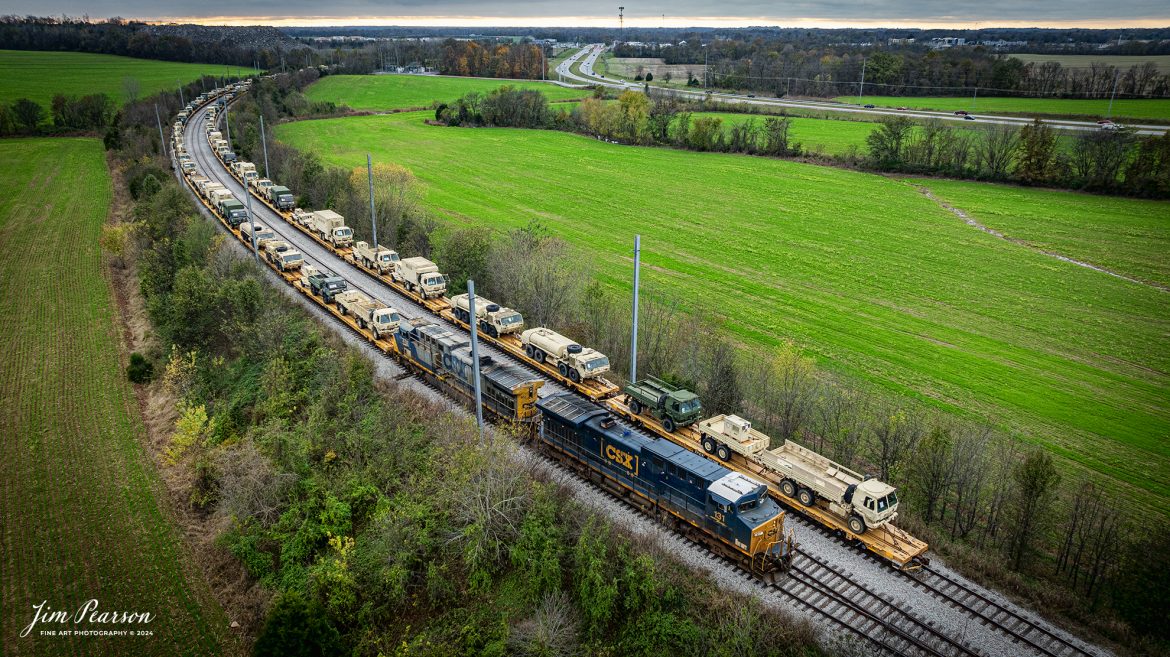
(588, 55)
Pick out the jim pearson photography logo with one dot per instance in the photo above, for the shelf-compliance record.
(47, 622)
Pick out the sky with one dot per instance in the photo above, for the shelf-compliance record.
(672, 13)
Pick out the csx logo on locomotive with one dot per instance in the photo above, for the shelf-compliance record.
(622, 458)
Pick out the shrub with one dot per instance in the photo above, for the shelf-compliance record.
(295, 628)
(140, 369)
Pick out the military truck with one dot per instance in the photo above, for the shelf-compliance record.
(381, 259)
(214, 136)
(863, 502)
(571, 359)
(263, 233)
(261, 185)
(280, 196)
(210, 187)
(245, 170)
(217, 195)
(303, 217)
(233, 211)
(331, 227)
(670, 405)
(368, 313)
(228, 156)
(422, 277)
(281, 254)
(327, 285)
(493, 319)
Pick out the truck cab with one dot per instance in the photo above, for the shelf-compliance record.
(327, 286)
(876, 502)
(674, 407)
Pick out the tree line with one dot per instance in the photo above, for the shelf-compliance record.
(493, 60)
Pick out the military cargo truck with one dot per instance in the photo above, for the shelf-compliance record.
(263, 233)
(493, 319)
(217, 195)
(233, 211)
(381, 259)
(864, 503)
(571, 359)
(214, 136)
(280, 196)
(331, 227)
(261, 184)
(282, 255)
(326, 285)
(245, 170)
(368, 313)
(422, 277)
(207, 188)
(303, 217)
(672, 406)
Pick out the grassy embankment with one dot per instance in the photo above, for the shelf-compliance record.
(1157, 109)
(383, 92)
(39, 76)
(862, 271)
(81, 508)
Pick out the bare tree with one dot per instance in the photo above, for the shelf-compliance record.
(970, 474)
(895, 431)
(932, 469)
(1091, 543)
(1034, 488)
(131, 88)
(998, 149)
(551, 631)
(249, 485)
(536, 274)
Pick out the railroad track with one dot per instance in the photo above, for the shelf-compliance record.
(812, 583)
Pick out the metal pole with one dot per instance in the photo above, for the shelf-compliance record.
(975, 98)
(162, 141)
(227, 124)
(475, 354)
(634, 339)
(373, 217)
(1116, 79)
(861, 91)
(251, 220)
(264, 143)
(182, 100)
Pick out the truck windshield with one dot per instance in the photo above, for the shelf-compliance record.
(433, 280)
(887, 502)
(385, 257)
(386, 318)
(689, 405)
(296, 257)
(343, 232)
(511, 319)
(597, 363)
(335, 285)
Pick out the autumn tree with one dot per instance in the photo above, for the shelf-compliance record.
(1034, 488)
(1037, 150)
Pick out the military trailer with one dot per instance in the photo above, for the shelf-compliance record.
(493, 319)
(280, 196)
(368, 313)
(864, 503)
(571, 359)
(331, 227)
(263, 233)
(381, 259)
(283, 255)
(422, 277)
(327, 285)
(672, 406)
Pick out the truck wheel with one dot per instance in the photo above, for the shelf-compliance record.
(635, 407)
(528, 351)
(708, 444)
(563, 370)
(788, 488)
(377, 334)
(669, 425)
(574, 376)
(856, 524)
(806, 496)
(493, 332)
(723, 453)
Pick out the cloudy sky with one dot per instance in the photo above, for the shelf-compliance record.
(828, 13)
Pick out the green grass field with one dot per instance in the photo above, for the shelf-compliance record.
(1083, 61)
(824, 135)
(82, 506)
(384, 92)
(863, 271)
(41, 75)
(1156, 109)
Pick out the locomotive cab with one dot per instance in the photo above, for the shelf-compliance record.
(745, 515)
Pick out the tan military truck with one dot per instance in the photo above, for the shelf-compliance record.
(381, 259)
(303, 217)
(331, 227)
(422, 277)
(245, 170)
(863, 502)
(263, 233)
(261, 185)
(493, 319)
(214, 136)
(207, 188)
(369, 314)
(283, 255)
(571, 359)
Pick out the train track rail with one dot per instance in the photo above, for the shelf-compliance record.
(824, 590)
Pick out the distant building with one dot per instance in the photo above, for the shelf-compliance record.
(901, 42)
(947, 42)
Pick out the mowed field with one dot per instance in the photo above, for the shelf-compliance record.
(82, 514)
(1157, 109)
(863, 271)
(1123, 62)
(41, 75)
(384, 92)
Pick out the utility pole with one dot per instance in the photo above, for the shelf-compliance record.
(162, 142)
(227, 122)
(974, 99)
(1116, 79)
(373, 217)
(182, 100)
(264, 143)
(861, 91)
(475, 355)
(621, 23)
(634, 339)
(251, 221)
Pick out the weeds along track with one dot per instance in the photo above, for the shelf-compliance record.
(821, 588)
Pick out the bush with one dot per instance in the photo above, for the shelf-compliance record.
(295, 628)
(140, 369)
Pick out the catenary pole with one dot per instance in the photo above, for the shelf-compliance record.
(182, 100)
(634, 339)
(251, 220)
(373, 216)
(475, 354)
(264, 144)
(162, 141)
(1116, 79)
(861, 91)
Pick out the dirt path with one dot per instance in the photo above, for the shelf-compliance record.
(970, 221)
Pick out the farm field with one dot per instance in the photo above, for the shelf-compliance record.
(1157, 109)
(81, 510)
(1114, 233)
(627, 67)
(40, 75)
(1083, 61)
(863, 271)
(384, 92)
(824, 135)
